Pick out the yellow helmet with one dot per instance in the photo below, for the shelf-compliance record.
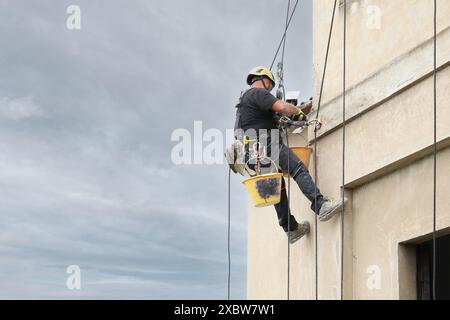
(260, 72)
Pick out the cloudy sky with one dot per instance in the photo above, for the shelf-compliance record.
(86, 118)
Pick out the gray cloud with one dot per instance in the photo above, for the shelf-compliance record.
(19, 108)
(85, 124)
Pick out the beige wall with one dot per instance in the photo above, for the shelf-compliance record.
(389, 163)
(405, 24)
(268, 250)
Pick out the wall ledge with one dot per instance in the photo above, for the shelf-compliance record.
(398, 164)
(391, 80)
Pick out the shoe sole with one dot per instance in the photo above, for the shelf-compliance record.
(332, 213)
(308, 228)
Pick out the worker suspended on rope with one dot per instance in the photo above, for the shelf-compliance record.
(257, 112)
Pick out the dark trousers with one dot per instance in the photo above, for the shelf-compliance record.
(301, 176)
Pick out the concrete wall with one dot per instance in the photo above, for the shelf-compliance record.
(389, 163)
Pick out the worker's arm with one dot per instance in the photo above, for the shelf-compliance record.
(285, 108)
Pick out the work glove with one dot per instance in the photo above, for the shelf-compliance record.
(305, 107)
(300, 116)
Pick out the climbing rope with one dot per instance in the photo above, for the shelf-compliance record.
(343, 147)
(315, 147)
(229, 231)
(281, 69)
(289, 218)
(284, 35)
(434, 149)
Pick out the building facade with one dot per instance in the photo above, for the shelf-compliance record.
(388, 221)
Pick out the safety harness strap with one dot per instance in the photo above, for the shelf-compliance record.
(238, 123)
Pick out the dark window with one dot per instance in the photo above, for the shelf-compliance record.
(425, 269)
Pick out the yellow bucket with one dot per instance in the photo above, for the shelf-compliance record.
(265, 190)
(304, 154)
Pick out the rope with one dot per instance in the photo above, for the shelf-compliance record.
(229, 231)
(288, 164)
(343, 148)
(434, 151)
(284, 35)
(315, 144)
(326, 60)
(289, 217)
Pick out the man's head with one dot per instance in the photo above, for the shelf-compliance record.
(261, 77)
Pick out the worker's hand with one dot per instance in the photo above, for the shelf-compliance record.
(300, 116)
(306, 106)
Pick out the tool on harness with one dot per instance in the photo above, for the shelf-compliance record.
(235, 154)
(287, 121)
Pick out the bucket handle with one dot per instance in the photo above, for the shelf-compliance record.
(262, 158)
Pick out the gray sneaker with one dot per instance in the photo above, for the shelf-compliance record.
(330, 208)
(297, 234)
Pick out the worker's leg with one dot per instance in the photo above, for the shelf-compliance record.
(300, 174)
(283, 212)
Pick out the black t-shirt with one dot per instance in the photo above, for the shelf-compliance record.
(256, 110)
